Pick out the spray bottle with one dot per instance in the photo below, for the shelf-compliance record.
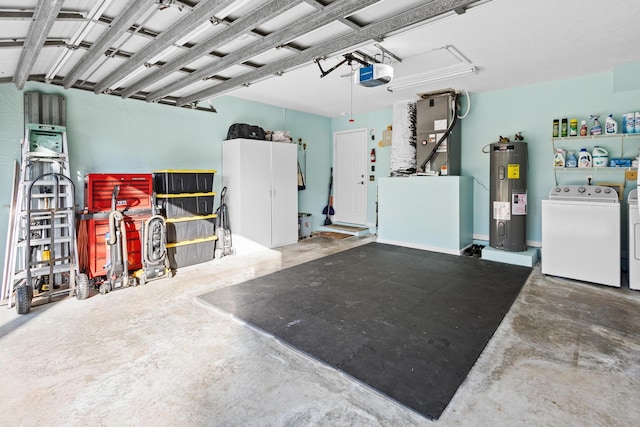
(596, 129)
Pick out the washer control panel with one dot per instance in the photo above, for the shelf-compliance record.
(584, 192)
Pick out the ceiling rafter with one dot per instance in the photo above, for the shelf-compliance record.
(16, 43)
(170, 100)
(235, 29)
(202, 12)
(349, 23)
(23, 15)
(123, 22)
(309, 23)
(43, 20)
(369, 32)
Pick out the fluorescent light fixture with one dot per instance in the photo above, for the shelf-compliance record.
(437, 76)
(456, 54)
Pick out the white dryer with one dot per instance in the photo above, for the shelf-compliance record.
(581, 234)
(634, 240)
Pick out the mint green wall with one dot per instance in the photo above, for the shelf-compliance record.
(378, 121)
(530, 110)
(109, 134)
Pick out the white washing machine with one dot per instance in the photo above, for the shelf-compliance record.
(634, 240)
(581, 234)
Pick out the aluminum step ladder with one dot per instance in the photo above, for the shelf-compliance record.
(41, 261)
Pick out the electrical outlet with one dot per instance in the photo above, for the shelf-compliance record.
(631, 175)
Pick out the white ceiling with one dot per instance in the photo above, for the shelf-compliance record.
(509, 42)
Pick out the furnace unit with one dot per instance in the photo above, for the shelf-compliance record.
(437, 134)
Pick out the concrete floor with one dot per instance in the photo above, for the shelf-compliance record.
(567, 354)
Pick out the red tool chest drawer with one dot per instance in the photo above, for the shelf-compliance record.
(135, 191)
(97, 228)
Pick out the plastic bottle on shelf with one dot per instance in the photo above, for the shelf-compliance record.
(571, 161)
(556, 128)
(610, 125)
(600, 157)
(559, 158)
(573, 127)
(564, 128)
(637, 122)
(583, 128)
(628, 123)
(596, 129)
(584, 159)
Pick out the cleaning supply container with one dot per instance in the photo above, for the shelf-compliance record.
(599, 157)
(584, 159)
(559, 158)
(610, 125)
(629, 123)
(572, 161)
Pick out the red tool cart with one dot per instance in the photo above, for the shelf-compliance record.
(133, 198)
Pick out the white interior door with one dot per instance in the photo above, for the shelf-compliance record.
(350, 176)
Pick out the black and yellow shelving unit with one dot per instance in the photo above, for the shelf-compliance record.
(186, 199)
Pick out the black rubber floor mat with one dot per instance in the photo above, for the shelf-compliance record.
(407, 322)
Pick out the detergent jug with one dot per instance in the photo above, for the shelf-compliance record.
(600, 157)
(584, 158)
(559, 158)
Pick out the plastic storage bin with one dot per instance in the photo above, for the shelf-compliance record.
(185, 205)
(183, 181)
(181, 229)
(190, 252)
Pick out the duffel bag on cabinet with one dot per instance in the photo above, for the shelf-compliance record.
(243, 130)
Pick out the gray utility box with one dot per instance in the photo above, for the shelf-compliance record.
(304, 225)
(434, 115)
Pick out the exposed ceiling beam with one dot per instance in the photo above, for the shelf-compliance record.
(21, 15)
(120, 25)
(170, 100)
(201, 13)
(235, 29)
(44, 17)
(369, 32)
(335, 10)
(12, 44)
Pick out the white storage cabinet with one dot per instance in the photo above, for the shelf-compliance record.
(262, 190)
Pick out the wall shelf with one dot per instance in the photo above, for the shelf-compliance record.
(619, 146)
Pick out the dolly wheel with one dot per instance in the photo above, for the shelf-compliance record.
(23, 299)
(104, 288)
(142, 279)
(82, 286)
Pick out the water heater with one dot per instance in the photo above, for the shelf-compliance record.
(508, 196)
